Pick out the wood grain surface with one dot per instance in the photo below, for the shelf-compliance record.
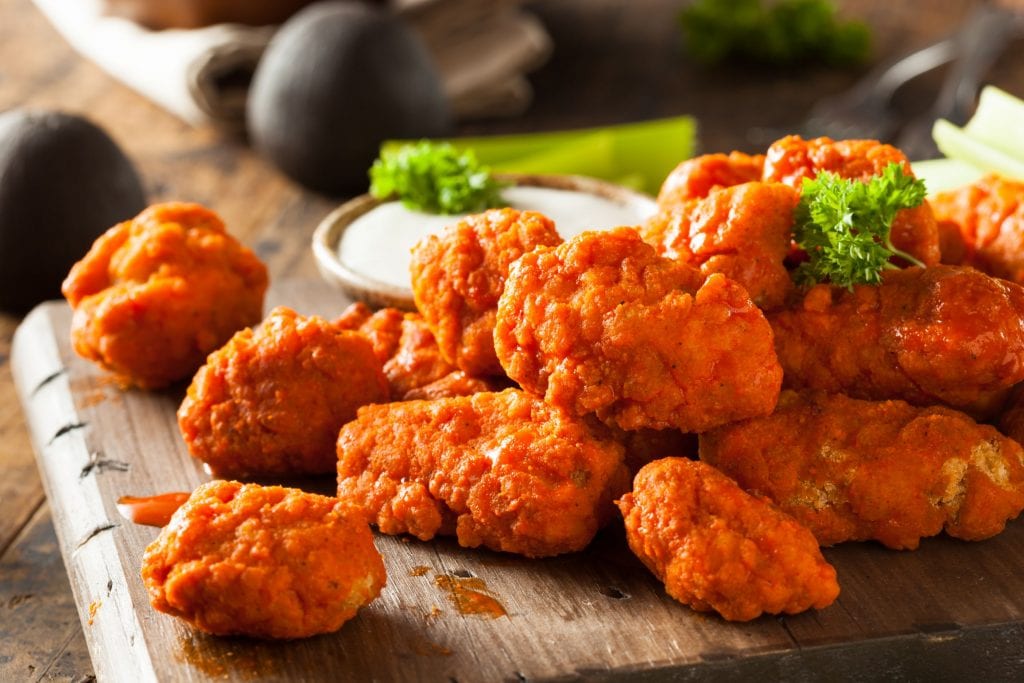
(613, 61)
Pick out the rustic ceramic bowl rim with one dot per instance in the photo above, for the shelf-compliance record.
(361, 287)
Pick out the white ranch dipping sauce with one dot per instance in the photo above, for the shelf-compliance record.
(378, 243)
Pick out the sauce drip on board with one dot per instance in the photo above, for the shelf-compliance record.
(468, 596)
(151, 510)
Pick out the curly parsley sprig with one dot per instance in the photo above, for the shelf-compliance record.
(435, 178)
(845, 226)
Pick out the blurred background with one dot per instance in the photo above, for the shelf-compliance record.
(505, 67)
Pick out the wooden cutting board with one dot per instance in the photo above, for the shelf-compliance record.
(951, 610)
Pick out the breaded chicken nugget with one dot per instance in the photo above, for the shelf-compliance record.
(989, 215)
(458, 276)
(697, 177)
(383, 327)
(944, 334)
(157, 293)
(505, 471)
(271, 401)
(603, 325)
(854, 470)
(263, 561)
(743, 232)
(1011, 421)
(792, 159)
(405, 345)
(718, 548)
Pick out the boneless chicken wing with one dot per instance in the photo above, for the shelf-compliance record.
(719, 548)
(603, 325)
(412, 360)
(743, 232)
(945, 334)
(262, 561)
(988, 216)
(501, 470)
(157, 293)
(458, 276)
(271, 401)
(792, 159)
(886, 471)
(697, 177)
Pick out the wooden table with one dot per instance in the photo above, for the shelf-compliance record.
(614, 62)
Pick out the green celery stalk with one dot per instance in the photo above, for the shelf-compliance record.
(643, 152)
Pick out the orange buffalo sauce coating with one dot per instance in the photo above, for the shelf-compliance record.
(602, 325)
(743, 231)
(988, 217)
(944, 334)
(697, 177)
(271, 401)
(263, 561)
(500, 470)
(151, 510)
(157, 293)
(854, 470)
(718, 548)
(458, 276)
(792, 159)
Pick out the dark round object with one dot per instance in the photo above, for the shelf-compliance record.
(338, 79)
(63, 182)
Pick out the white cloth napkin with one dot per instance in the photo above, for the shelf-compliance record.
(201, 75)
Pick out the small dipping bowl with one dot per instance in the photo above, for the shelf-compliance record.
(363, 247)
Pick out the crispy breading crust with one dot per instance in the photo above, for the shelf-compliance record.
(263, 561)
(718, 548)
(157, 293)
(501, 470)
(885, 471)
(743, 232)
(944, 334)
(989, 217)
(458, 276)
(271, 401)
(603, 325)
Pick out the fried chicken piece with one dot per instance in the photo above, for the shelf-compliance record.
(417, 362)
(271, 401)
(383, 327)
(743, 232)
(501, 470)
(156, 294)
(697, 177)
(719, 548)
(458, 276)
(989, 215)
(853, 470)
(603, 325)
(405, 345)
(792, 159)
(945, 334)
(263, 561)
(455, 383)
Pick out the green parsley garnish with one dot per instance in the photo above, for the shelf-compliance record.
(782, 32)
(435, 178)
(844, 226)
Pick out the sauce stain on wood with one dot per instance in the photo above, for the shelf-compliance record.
(419, 570)
(94, 607)
(151, 510)
(470, 596)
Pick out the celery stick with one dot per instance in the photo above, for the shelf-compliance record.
(940, 175)
(956, 144)
(646, 150)
(999, 122)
